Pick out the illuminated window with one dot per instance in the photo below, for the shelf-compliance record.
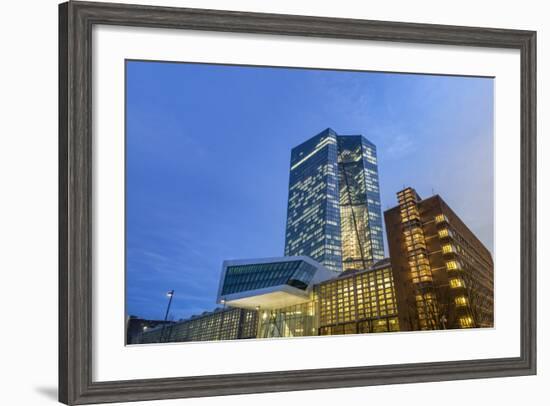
(456, 283)
(447, 248)
(461, 301)
(443, 233)
(451, 265)
(440, 218)
(466, 321)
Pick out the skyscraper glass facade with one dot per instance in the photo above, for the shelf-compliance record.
(334, 213)
(360, 212)
(313, 216)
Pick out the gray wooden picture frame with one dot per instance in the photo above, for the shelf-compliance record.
(76, 20)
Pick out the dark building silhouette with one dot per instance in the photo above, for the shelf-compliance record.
(135, 326)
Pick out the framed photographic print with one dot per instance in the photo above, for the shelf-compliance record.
(259, 202)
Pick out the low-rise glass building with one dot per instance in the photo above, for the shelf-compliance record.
(361, 301)
(292, 321)
(221, 324)
(290, 297)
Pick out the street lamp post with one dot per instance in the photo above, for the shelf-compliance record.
(170, 294)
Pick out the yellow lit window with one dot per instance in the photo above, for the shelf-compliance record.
(451, 265)
(443, 233)
(456, 283)
(466, 321)
(447, 248)
(461, 301)
(440, 218)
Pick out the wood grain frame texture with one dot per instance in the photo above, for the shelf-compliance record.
(76, 20)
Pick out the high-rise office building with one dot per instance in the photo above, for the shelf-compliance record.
(359, 194)
(443, 274)
(334, 211)
(313, 215)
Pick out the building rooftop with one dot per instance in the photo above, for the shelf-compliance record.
(381, 264)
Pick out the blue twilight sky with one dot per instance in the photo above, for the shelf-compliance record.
(208, 152)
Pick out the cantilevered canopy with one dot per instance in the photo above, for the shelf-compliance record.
(271, 282)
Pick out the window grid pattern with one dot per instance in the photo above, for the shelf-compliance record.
(334, 206)
(360, 303)
(469, 278)
(313, 218)
(228, 324)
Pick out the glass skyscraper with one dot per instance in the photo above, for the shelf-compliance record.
(360, 211)
(334, 213)
(313, 214)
